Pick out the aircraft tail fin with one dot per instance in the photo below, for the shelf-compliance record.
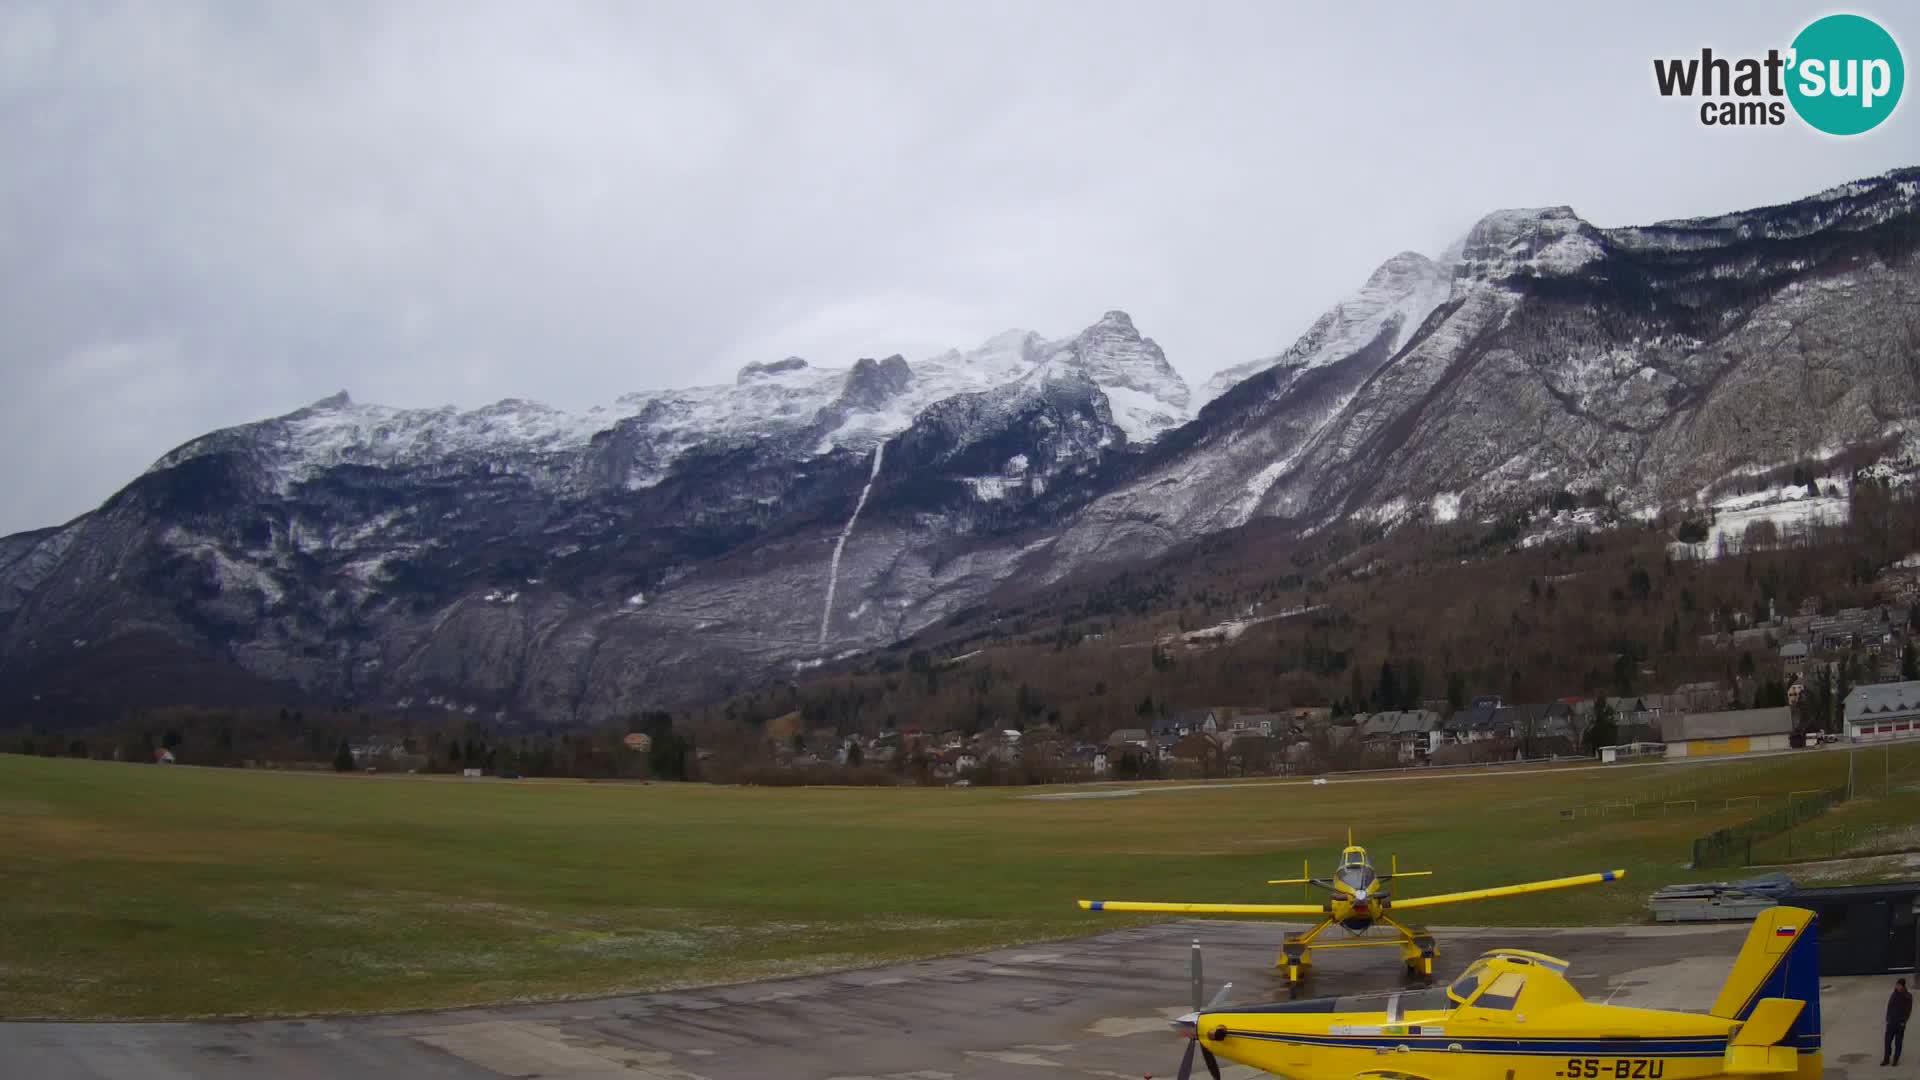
(1774, 990)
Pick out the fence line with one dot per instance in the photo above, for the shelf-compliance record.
(1733, 845)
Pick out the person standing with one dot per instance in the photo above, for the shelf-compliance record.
(1899, 1007)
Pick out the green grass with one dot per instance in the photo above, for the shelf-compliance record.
(138, 891)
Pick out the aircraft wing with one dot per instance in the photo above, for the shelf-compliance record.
(1505, 890)
(1204, 909)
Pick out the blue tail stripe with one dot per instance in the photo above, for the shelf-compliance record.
(1796, 977)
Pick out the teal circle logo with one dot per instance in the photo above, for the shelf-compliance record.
(1847, 74)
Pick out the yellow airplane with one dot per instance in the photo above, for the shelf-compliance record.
(1513, 1014)
(1361, 899)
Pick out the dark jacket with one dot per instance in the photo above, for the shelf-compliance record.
(1899, 1007)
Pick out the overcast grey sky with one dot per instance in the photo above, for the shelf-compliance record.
(210, 214)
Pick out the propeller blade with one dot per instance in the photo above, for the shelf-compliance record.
(1186, 1061)
(1193, 971)
(1219, 997)
(1213, 1067)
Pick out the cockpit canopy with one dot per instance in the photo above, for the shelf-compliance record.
(1478, 974)
(1497, 979)
(1356, 871)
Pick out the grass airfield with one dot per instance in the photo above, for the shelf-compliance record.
(148, 892)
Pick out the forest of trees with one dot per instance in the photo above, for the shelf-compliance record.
(296, 738)
(1355, 620)
(1426, 614)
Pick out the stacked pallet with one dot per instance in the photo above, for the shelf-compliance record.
(1719, 901)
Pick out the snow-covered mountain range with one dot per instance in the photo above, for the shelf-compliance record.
(515, 559)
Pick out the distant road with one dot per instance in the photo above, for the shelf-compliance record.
(1396, 776)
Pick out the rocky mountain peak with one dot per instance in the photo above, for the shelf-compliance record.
(337, 400)
(761, 369)
(1396, 273)
(872, 382)
(1113, 353)
(1540, 241)
(1397, 298)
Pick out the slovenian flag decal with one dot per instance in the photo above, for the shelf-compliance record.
(1783, 931)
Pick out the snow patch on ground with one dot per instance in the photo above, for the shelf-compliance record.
(1143, 416)
(1387, 513)
(1789, 509)
(1230, 631)
(989, 488)
(230, 574)
(1446, 507)
(1257, 487)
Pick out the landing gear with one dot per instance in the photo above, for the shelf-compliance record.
(1418, 951)
(1296, 956)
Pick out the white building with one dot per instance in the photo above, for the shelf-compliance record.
(1883, 711)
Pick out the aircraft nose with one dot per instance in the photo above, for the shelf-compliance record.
(1188, 1025)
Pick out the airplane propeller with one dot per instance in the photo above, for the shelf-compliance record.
(1189, 1025)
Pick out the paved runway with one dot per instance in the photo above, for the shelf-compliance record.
(1095, 1007)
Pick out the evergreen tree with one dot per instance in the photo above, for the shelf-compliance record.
(343, 758)
(1849, 674)
(1605, 730)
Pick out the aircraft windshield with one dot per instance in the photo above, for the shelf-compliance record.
(1469, 982)
(1504, 992)
(1355, 871)
(1357, 877)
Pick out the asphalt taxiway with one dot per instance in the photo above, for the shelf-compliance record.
(1092, 1007)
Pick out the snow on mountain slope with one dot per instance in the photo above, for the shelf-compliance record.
(1146, 395)
(339, 431)
(500, 555)
(1396, 299)
(1548, 241)
(1549, 354)
(837, 408)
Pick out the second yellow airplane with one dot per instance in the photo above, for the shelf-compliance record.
(1361, 898)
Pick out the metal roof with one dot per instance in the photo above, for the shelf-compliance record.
(1881, 698)
(1726, 725)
